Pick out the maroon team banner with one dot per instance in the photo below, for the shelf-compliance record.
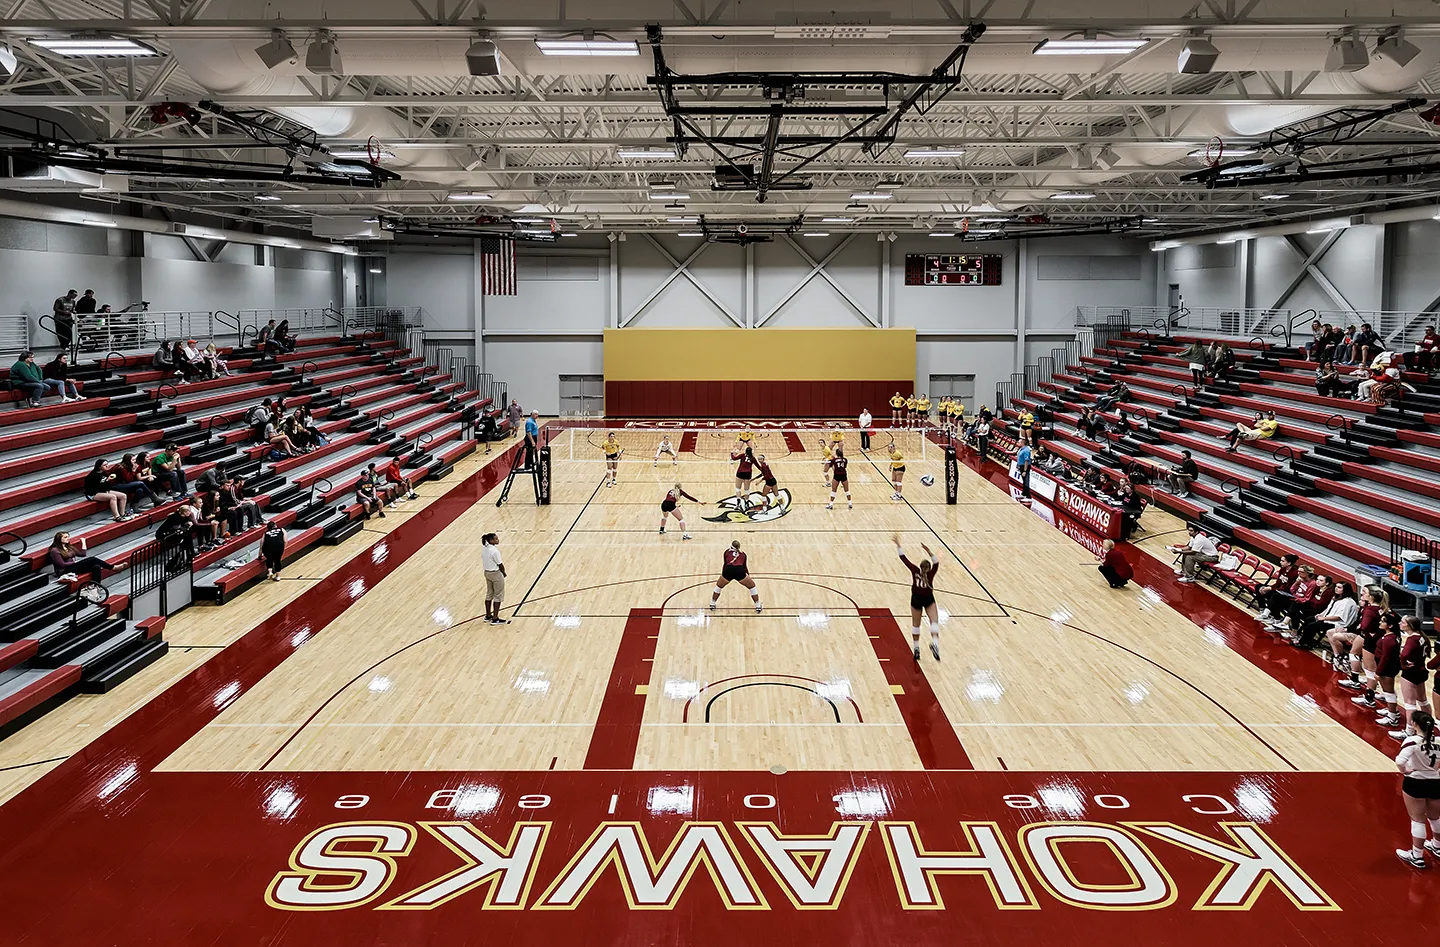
(1093, 513)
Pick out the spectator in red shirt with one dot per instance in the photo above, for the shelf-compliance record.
(1114, 566)
(395, 475)
(1425, 351)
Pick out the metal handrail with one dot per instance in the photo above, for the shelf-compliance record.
(1289, 324)
(1183, 392)
(233, 323)
(344, 391)
(307, 365)
(1239, 491)
(252, 331)
(1289, 453)
(1261, 340)
(222, 421)
(160, 390)
(314, 486)
(105, 362)
(1343, 427)
(5, 554)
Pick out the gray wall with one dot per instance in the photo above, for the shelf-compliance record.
(554, 325)
(40, 261)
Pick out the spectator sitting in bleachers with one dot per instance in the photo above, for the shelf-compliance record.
(307, 421)
(1132, 504)
(265, 341)
(282, 336)
(1322, 346)
(212, 479)
(57, 375)
(169, 470)
(241, 513)
(1365, 344)
(1263, 429)
(1331, 383)
(299, 435)
(1115, 394)
(1183, 474)
(1317, 333)
(26, 377)
(186, 367)
(130, 479)
(1425, 355)
(205, 528)
(1310, 597)
(70, 561)
(100, 485)
(393, 474)
(164, 358)
(216, 365)
(280, 443)
(1219, 360)
(366, 496)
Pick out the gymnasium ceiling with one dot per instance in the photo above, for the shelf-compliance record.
(543, 140)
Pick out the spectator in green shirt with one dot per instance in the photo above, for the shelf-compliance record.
(169, 470)
(26, 376)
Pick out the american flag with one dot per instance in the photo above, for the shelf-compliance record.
(497, 266)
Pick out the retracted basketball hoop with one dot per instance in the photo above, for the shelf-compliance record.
(1214, 151)
(373, 149)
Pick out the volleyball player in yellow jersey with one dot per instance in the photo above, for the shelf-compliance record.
(922, 404)
(826, 456)
(612, 450)
(957, 415)
(897, 404)
(897, 470)
(910, 405)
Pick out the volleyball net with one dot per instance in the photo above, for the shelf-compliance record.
(586, 444)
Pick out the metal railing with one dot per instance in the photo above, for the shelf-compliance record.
(14, 335)
(1215, 319)
(154, 564)
(141, 330)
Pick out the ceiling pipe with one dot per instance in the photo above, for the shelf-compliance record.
(1332, 222)
(64, 215)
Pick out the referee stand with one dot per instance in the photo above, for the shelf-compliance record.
(539, 470)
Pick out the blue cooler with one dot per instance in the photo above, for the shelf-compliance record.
(1415, 571)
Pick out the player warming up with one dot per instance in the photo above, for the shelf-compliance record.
(897, 471)
(666, 448)
(612, 450)
(735, 570)
(670, 507)
(839, 468)
(826, 455)
(922, 597)
(744, 471)
(897, 405)
(767, 478)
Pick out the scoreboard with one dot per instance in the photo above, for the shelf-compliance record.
(952, 269)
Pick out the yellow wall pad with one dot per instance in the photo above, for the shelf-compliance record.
(759, 354)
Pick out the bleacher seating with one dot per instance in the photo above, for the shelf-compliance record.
(372, 400)
(1329, 486)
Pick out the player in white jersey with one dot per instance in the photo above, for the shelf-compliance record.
(666, 448)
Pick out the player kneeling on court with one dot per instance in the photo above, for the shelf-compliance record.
(735, 570)
(666, 448)
(494, 578)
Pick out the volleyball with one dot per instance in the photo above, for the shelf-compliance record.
(928, 480)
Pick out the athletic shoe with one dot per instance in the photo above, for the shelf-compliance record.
(69, 577)
(1185, 578)
(501, 621)
(686, 536)
(1364, 701)
(1354, 685)
(1410, 858)
(917, 652)
(662, 531)
(829, 506)
(656, 464)
(935, 650)
(1264, 616)
(1432, 846)
(412, 495)
(1391, 720)
(849, 505)
(758, 608)
(712, 606)
(382, 514)
(1398, 735)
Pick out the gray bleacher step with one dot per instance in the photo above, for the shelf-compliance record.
(307, 388)
(112, 388)
(126, 404)
(1364, 511)
(17, 579)
(337, 533)
(129, 662)
(1342, 452)
(1398, 420)
(1292, 482)
(314, 515)
(1319, 467)
(31, 597)
(208, 452)
(442, 471)
(324, 401)
(1239, 514)
(161, 416)
(1363, 432)
(264, 483)
(244, 468)
(1268, 495)
(51, 625)
(90, 638)
(287, 499)
(1216, 525)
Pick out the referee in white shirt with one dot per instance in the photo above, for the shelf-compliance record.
(865, 421)
(1199, 551)
(494, 578)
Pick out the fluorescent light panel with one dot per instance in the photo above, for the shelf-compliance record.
(1088, 46)
(1072, 196)
(359, 153)
(468, 197)
(942, 233)
(682, 220)
(691, 233)
(870, 196)
(1273, 197)
(837, 220)
(668, 196)
(588, 47)
(643, 153)
(935, 152)
(98, 46)
(268, 197)
(818, 233)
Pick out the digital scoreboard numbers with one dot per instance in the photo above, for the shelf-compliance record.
(952, 269)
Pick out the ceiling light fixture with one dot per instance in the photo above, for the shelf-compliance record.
(588, 46)
(468, 197)
(818, 233)
(361, 154)
(662, 185)
(323, 56)
(278, 50)
(1090, 44)
(942, 233)
(690, 233)
(1324, 228)
(689, 219)
(934, 153)
(8, 62)
(642, 154)
(96, 46)
(992, 220)
(1072, 196)
(870, 196)
(96, 222)
(887, 184)
(1226, 151)
(268, 197)
(376, 270)
(1273, 197)
(667, 196)
(837, 220)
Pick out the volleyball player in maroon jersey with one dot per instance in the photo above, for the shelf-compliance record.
(1387, 668)
(767, 478)
(1414, 652)
(922, 597)
(839, 468)
(744, 471)
(735, 570)
(670, 507)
